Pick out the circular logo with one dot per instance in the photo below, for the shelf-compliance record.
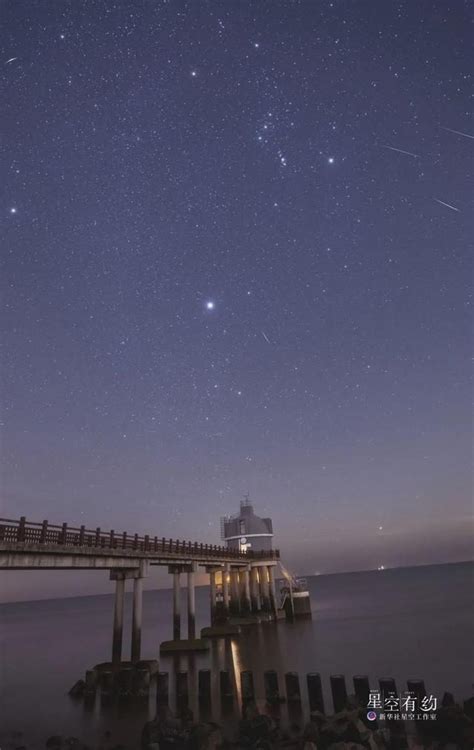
(371, 715)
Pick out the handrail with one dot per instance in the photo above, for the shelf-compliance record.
(23, 531)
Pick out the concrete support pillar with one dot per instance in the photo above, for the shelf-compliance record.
(234, 592)
(176, 605)
(225, 589)
(254, 590)
(212, 577)
(191, 605)
(245, 589)
(137, 618)
(264, 588)
(273, 598)
(118, 620)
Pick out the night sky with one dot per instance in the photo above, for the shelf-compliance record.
(236, 241)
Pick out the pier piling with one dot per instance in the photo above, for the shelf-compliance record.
(416, 688)
(246, 603)
(176, 605)
(212, 581)
(361, 689)
(225, 589)
(225, 686)
(118, 620)
(191, 604)
(254, 592)
(272, 590)
(315, 692)
(292, 684)
(264, 588)
(272, 690)
(234, 592)
(247, 687)
(137, 618)
(339, 692)
(182, 689)
(204, 686)
(162, 689)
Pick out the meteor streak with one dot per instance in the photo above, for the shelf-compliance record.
(458, 132)
(401, 151)
(448, 205)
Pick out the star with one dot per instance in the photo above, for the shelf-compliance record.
(210, 305)
(193, 73)
(331, 160)
(13, 210)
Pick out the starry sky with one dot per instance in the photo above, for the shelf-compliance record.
(236, 259)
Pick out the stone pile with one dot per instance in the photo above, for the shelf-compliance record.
(346, 730)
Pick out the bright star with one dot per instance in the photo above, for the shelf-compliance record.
(194, 73)
(210, 305)
(13, 210)
(331, 160)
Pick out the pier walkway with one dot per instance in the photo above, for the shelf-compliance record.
(244, 581)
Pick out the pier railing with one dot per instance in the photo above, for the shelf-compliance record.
(29, 532)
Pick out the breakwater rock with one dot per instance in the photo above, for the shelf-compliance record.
(346, 730)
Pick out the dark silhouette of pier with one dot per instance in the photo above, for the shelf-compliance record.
(242, 583)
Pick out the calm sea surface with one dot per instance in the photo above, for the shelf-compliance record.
(412, 622)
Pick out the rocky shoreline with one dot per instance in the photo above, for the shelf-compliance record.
(346, 730)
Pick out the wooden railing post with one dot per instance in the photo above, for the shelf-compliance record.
(135, 541)
(21, 530)
(156, 544)
(97, 536)
(124, 539)
(112, 538)
(44, 531)
(82, 532)
(147, 542)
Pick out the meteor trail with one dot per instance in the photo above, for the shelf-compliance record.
(458, 132)
(12, 59)
(401, 151)
(453, 208)
(266, 337)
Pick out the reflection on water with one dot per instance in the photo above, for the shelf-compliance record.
(393, 623)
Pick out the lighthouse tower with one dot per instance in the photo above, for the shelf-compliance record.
(246, 531)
